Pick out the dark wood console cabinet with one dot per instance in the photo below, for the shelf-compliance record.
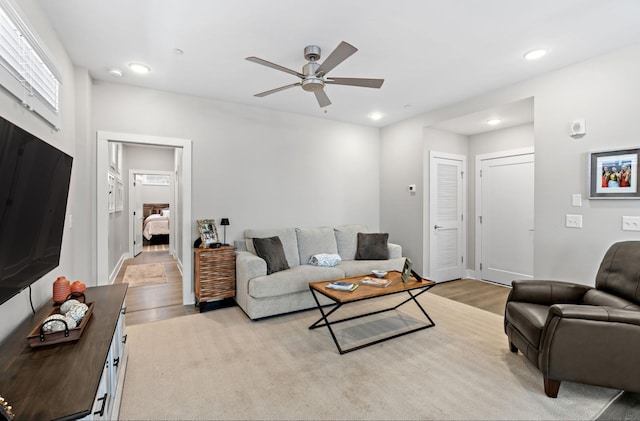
(81, 379)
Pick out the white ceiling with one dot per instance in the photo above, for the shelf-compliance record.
(431, 53)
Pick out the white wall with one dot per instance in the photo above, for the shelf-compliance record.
(18, 308)
(259, 168)
(602, 90)
(150, 159)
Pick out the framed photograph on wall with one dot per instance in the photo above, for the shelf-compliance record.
(119, 195)
(208, 232)
(613, 174)
(111, 180)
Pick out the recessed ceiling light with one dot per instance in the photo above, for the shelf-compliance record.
(139, 68)
(115, 72)
(535, 54)
(375, 116)
(494, 121)
(177, 52)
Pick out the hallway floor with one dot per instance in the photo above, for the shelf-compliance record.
(148, 303)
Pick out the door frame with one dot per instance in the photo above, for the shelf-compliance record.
(102, 207)
(478, 199)
(426, 258)
(132, 209)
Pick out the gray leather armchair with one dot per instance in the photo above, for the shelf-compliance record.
(579, 333)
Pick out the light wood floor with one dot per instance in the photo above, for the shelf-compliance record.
(484, 295)
(163, 301)
(149, 303)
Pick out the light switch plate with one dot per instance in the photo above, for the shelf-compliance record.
(576, 199)
(573, 221)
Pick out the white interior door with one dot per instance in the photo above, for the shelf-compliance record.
(137, 215)
(506, 218)
(446, 206)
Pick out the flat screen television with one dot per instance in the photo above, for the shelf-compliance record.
(34, 186)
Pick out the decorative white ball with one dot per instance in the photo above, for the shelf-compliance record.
(66, 306)
(58, 325)
(77, 312)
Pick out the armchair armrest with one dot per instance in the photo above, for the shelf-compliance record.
(596, 345)
(595, 313)
(547, 292)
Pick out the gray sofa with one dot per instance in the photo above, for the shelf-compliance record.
(261, 295)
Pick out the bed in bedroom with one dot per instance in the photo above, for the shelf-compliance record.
(155, 223)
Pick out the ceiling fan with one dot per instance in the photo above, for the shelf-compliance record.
(314, 75)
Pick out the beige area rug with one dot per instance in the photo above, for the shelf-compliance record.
(219, 365)
(149, 274)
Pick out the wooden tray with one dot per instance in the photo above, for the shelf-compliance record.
(36, 339)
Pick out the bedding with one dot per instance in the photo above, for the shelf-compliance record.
(156, 224)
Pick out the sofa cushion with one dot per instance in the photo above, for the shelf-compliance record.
(372, 246)
(292, 280)
(270, 249)
(347, 240)
(315, 241)
(364, 267)
(287, 236)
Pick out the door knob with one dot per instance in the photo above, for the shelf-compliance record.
(435, 227)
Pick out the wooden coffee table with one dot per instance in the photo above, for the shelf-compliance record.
(366, 292)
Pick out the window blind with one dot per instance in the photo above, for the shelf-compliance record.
(25, 70)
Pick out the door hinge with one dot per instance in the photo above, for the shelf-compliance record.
(461, 174)
(461, 259)
(480, 266)
(462, 217)
(480, 173)
(480, 218)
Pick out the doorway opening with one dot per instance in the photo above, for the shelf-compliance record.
(107, 258)
(471, 136)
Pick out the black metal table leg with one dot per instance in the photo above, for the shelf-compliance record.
(324, 321)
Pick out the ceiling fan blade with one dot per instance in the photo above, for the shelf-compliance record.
(337, 56)
(353, 81)
(273, 91)
(274, 66)
(323, 99)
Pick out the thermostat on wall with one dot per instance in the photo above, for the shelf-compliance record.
(577, 128)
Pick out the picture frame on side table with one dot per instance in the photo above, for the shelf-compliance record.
(613, 174)
(208, 233)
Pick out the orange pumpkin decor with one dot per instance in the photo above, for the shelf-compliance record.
(61, 289)
(78, 286)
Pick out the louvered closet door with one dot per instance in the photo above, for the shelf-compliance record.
(446, 217)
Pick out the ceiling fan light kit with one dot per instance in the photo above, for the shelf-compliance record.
(313, 73)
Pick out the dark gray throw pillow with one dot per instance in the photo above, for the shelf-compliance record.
(271, 250)
(372, 246)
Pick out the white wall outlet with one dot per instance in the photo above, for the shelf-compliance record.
(631, 223)
(573, 221)
(412, 188)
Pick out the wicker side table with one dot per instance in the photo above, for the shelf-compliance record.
(215, 274)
